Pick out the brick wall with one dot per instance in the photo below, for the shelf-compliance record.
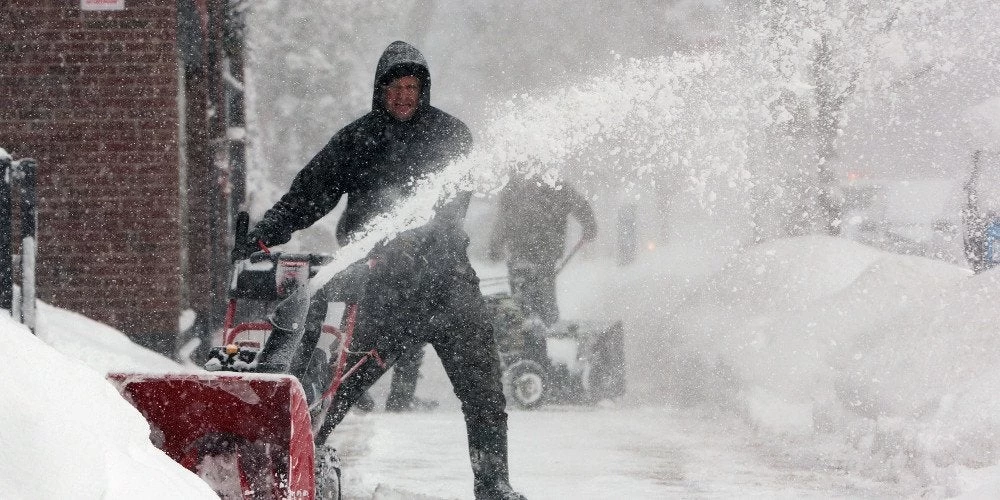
(94, 97)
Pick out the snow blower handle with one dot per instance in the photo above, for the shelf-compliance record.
(241, 241)
(240, 232)
(569, 256)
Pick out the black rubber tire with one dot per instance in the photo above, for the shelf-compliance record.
(525, 384)
(328, 476)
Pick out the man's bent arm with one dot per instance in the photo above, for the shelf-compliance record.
(315, 190)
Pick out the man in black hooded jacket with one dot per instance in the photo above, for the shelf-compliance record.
(422, 288)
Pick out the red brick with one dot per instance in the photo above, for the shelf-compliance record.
(93, 97)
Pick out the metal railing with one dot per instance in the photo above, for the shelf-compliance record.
(22, 174)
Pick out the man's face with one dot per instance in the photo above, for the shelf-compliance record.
(402, 96)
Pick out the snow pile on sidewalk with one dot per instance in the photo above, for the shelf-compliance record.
(97, 345)
(899, 357)
(66, 432)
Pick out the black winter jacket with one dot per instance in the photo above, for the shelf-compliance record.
(375, 161)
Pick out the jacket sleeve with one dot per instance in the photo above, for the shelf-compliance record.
(315, 190)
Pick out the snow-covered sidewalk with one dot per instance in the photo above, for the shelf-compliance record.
(564, 452)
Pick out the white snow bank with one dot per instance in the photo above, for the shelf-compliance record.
(67, 433)
(814, 339)
(97, 345)
(936, 366)
(898, 355)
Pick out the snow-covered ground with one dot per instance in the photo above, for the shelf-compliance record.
(804, 367)
(646, 452)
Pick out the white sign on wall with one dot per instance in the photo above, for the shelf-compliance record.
(102, 4)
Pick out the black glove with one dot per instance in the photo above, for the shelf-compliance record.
(243, 249)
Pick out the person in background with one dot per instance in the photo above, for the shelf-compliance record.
(531, 226)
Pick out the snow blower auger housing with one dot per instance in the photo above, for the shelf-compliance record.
(247, 435)
(570, 362)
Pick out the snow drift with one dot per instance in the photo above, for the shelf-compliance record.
(67, 433)
(815, 340)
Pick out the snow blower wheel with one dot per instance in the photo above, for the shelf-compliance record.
(327, 473)
(525, 383)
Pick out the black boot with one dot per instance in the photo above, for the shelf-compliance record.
(489, 468)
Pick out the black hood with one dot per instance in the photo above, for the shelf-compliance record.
(401, 59)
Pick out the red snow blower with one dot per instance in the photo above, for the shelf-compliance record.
(250, 435)
(246, 435)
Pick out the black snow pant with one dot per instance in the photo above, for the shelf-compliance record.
(533, 287)
(405, 374)
(396, 315)
(445, 309)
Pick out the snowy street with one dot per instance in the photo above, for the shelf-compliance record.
(582, 453)
(760, 400)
